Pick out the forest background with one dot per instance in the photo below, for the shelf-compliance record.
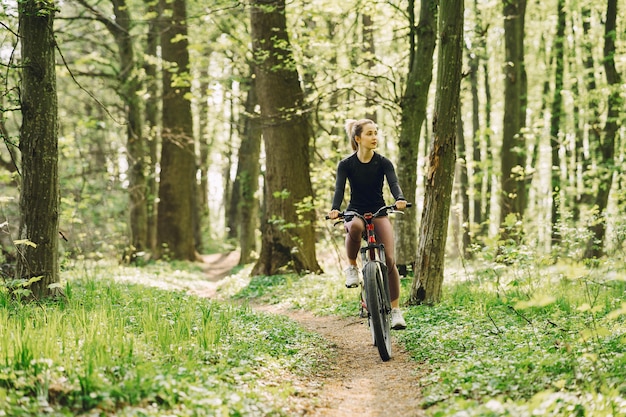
(551, 145)
(184, 128)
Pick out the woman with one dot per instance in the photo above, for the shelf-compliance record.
(366, 170)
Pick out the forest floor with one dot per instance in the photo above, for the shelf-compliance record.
(357, 382)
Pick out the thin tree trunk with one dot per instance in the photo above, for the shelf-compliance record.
(463, 233)
(369, 53)
(587, 157)
(205, 142)
(555, 123)
(120, 27)
(38, 241)
(427, 283)
(478, 172)
(595, 245)
(247, 179)
(152, 123)
(513, 155)
(414, 103)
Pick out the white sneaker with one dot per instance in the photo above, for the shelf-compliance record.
(397, 321)
(352, 276)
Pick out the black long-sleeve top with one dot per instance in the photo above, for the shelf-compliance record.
(366, 183)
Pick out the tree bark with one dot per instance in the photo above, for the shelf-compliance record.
(288, 234)
(414, 103)
(513, 153)
(597, 229)
(177, 186)
(38, 242)
(555, 123)
(246, 182)
(428, 280)
(120, 28)
(152, 123)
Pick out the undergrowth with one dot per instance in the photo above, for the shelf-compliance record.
(115, 348)
(525, 339)
(519, 340)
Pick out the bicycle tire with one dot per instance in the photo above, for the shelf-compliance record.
(376, 306)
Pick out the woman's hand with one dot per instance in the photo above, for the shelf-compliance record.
(401, 204)
(333, 214)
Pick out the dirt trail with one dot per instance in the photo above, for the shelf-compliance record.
(358, 382)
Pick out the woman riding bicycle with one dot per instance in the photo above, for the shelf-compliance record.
(366, 171)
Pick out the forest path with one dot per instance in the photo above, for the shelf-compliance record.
(357, 382)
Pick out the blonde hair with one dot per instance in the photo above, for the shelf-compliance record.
(354, 128)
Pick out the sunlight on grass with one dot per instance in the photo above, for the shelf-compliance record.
(118, 347)
(524, 341)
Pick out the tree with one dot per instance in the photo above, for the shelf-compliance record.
(38, 257)
(513, 155)
(595, 245)
(414, 103)
(555, 122)
(427, 283)
(120, 27)
(176, 210)
(288, 235)
(151, 113)
(246, 182)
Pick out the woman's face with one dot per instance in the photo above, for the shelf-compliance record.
(369, 137)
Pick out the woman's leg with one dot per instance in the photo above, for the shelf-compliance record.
(384, 235)
(354, 231)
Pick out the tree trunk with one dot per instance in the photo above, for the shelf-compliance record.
(595, 245)
(38, 243)
(478, 173)
(587, 157)
(414, 103)
(369, 54)
(246, 182)
(288, 234)
(513, 154)
(152, 123)
(120, 28)
(555, 122)
(428, 280)
(130, 90)
(177, 186)
(463, 217)
(205, 143)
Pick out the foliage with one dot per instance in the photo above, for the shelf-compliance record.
(551, 343)
(530, 338)
(128, 349)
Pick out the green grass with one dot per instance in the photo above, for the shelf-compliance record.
(132, 350)
(522, 340)
(517, 341)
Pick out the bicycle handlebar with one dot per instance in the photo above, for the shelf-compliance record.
(380, 212)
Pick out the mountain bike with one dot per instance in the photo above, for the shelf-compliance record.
(374, 296)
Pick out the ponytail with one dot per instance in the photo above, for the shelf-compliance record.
(354, 128)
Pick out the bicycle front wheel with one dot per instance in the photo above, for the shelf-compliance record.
(376, 302)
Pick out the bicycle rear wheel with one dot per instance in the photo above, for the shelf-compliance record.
(375, 294)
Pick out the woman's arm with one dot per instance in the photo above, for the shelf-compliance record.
(340, 186)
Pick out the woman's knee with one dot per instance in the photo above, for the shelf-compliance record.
(355, 230)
